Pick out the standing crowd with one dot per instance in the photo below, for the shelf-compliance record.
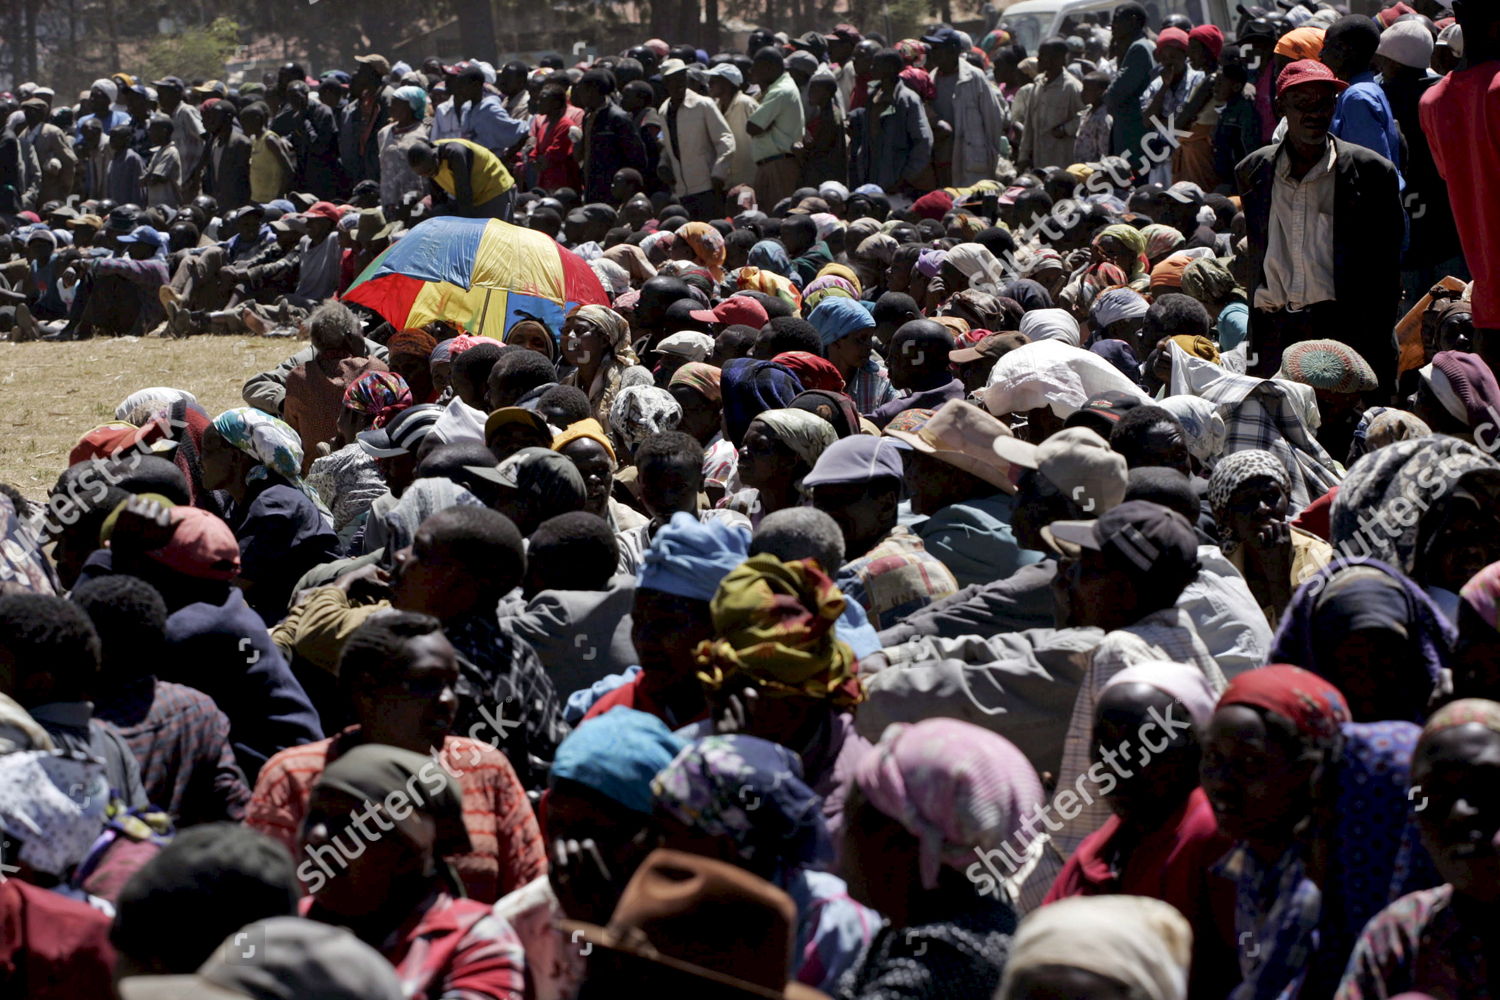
(1003, 525)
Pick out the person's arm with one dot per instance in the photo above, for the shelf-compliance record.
(764, 115)
(266, 390)
(722, 138)
(461, 164)
(632, 146)
(1363, 121)
(277, 805)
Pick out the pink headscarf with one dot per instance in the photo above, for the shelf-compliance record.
(954, 786)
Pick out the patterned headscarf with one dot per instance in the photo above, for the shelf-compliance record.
(615, 328)
(422, 499)
(751, 387)
(1133, 241)
(1461, 713)
(415, 98)
(749, 790)
(879, 248)
(1482, 595)
(614, 278)
(758, 279)
(774, 624)
(708, 246)
(640, 411)
(140, 406)
(828, 287)
(380, 394)
(1304, 699)
(1202, 424)
(1160, 241)
(837, 270)
(806, 434)
(1231, 473)
(1115, 304)
(270, 441)
(954, 786)
(701, 376)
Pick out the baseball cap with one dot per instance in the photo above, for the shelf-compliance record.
(1186, 193)
(736, 310)
(943, 36)
(378, 63)
(996, 345)
(1305, 72)
(687, 344)
(1138, 536)
(202, 546)
(1408, 43)
(1259, 27)
(1101, 411)
(730, 72)
(858, 458)
(214, 87)
(962, 435)
(515, 415)
(1076, 461)
(403, 435)
(89, 221)
(548, 475)
(144, 234)
(672, 67)
(170, 81)
(337, 76)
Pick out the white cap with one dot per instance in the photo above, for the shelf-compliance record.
(688, 344)
(730, 72)
(1408, 43)
(1453, 37)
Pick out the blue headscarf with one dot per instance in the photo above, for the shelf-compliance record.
(617, 754)
(769, 255)
(750, 388)
(751, 791)
(415, 97)
(835, 319)
(689, 557)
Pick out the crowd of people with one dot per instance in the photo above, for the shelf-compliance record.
(1022, 526)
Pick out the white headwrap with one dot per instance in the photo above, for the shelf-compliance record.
(1114, 304)
(1051, 324)
(110, 88)
(1186, 684)
(1052, 373)
(1145, 944)
(978, 265)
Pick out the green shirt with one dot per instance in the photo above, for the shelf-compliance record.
(780, 114)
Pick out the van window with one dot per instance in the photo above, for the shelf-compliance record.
(1027, 28)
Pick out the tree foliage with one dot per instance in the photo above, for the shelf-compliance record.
(193, 52)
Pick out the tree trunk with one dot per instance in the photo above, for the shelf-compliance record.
(711, 30)
(476, 25)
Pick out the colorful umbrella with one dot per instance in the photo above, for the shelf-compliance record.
(483, 274)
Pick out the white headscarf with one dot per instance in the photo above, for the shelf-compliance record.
(978, 265)
(1052, 373)
(1050, 324)
(1143, 943)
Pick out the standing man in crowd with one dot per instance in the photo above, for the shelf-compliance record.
(775, 129)
(699, 148)
(968, 122)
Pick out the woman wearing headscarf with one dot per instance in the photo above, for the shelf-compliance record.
(1450, 485)
(835, 407)
(749, 388)
(1316, 804)
(1373, 634)
(707, 245)
(596, 341)
(282, 530)
(533, 335)
(1210, 282)
(640, 411)
(971, 265)
(1249, 492)
(1162, 838)
(780, 447)
(1160, 242)
(1124, 247)
(347, 480)
(828, 286)
(871, 257)
(407, 128)
(1202, 427)
(768, 282)
(1101, 948)
(1439, 942)
(742, 800)
(1476, 656)
(1379, 426)
(1051, 324)
(927, 802)
(1118, 314)
(1030, 294)
(394, 890)
(770, 255)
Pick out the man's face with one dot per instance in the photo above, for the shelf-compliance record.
(331, 94)
(1087, 587)
(39, 251)
(424, 572)
(168, 97)
(421, 703)
(1172, 58)
(1309, 113)
(945, 58)
(1051, 60)
(851, 352)
(863, 515)
(511, 82)
(587, 96)
(92, 133)
(670, 487)
(157, 134)
(676, 85)
(99, 102)
(119, 140)
(1458, 772)
(34, 115)
(365, 78)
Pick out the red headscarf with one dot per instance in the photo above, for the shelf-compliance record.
(812, 371)
(1309, 702)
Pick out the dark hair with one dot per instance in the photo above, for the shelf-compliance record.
(48, 635)
(148, 474)
(450, 462)
(788, 333)
(1174, 314)
(475, 363)
(1129, 437)
(802, 225)
(666, 447)
(601, 80)
(130, 619)
(894, 307)
(1232, 69)
(375, 653)
(1166, 486)
(996, 240)
(524, 369)
(1052, 44)
(574, 551)
(484, 542)
(570, 400)
(206, 884)
(770, 56)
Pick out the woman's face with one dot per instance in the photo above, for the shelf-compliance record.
(583, 343)
(764, 459)
(898, 276)
(219, 459)
(414, 369)
(533, 340)
(1109, 249)
(1260, 789)
(597, 470)
(1467, 541)
(1256, 507)
(1378, 672)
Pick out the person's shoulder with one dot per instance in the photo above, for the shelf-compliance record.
(306, 759)
(1361, 157)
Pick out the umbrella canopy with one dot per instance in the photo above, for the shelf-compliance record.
(483, 274)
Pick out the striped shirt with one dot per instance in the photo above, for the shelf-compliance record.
(507, 843)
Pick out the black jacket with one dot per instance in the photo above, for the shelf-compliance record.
(614, 143)
(230, 182)
(1369, 226)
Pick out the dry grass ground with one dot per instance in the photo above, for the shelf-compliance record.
(53, 393)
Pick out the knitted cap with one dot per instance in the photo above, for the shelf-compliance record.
(1327, 364)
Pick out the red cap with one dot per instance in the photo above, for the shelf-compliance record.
(326, 209)
(1172, 36)
(737, 310)
(1304, 72)
(1211, 37)
(107, 440)
(202, 546)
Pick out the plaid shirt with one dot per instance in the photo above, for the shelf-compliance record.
(505, 697)
(870, 388)
(453, 949)
(181, 740)
(1263, 413)
(1167, 634)
(507, 843)
(895, 578)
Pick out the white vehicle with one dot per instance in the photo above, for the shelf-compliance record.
(1030, 21)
